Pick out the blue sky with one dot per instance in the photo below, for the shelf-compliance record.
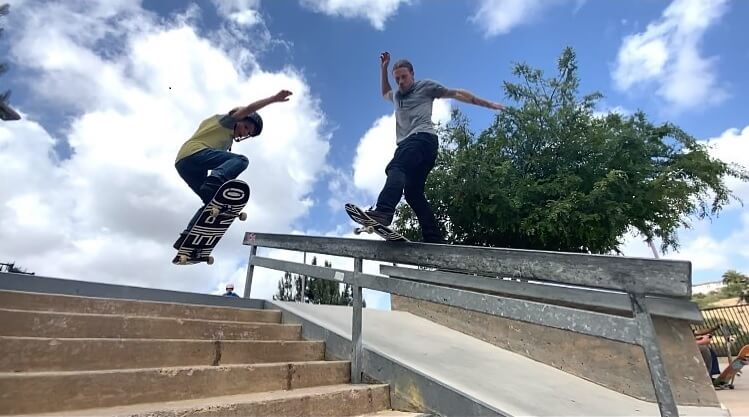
(98, 80)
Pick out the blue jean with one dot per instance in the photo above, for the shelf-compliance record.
(406, 174)
(224, 166)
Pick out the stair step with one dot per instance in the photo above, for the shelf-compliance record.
(40, 392)
(18, 300)
(81, 325)
(38, 354)
(332, 400)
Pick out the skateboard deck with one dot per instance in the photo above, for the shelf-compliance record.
(371, 226)
(725, 379)
(212, 222)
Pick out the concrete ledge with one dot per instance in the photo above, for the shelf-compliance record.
(33, 283)
(18, 300)
(39, 354)
(334, 400)
(76, 325)
(615, 365)
(20, 393)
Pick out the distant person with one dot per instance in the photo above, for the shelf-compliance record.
(709, 355)
(230, 291)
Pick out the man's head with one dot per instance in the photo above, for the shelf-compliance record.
(251, 125)
(403, 72)
(229, 287)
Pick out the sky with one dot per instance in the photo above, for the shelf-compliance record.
(109, 90)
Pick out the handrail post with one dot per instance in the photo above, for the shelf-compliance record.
(304, 281)
(356, 327)
(250, 271)
(653, 357)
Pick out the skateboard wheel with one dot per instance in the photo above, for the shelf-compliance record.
(182, 259)
(242, 216)
(210, 260)
(215, 212)
(357, 231)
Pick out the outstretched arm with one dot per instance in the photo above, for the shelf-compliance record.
(387, 92)
(470, 98)
(242, 112)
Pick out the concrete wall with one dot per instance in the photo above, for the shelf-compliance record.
(615, 365)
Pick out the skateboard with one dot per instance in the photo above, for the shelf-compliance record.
(725, 379)
(212, 222)
(371, 226)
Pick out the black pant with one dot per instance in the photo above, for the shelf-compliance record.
(224, 166)
(406, 175)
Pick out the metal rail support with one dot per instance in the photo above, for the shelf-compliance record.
(250, 271)
(653, 357)
(356, 328)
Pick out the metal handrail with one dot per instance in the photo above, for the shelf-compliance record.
(636, 328)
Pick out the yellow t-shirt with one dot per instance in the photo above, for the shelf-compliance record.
(213, 133)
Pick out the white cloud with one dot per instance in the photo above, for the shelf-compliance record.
(622, 111)
(732, 146)
(242, 12)
(376, 11)
(667, 54)
(111, 211)
(498, 17)
(377, 146)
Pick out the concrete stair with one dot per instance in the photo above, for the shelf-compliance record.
(69, 355)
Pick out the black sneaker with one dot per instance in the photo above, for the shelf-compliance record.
(434, 239)
(209, 188)
(380, 217)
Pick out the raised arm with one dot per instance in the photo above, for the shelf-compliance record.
(242, 112)
(470, 98)
(387, 92)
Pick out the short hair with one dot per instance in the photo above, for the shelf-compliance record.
(403, 63)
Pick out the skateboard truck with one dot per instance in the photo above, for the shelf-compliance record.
(370, 225)
(216, 212)
(364, 229)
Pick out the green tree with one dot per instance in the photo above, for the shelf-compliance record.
(6, 113)
(316, 291)
(736, 285)
(12, 268)
(285, 288)
(4, 10)
(550, 174)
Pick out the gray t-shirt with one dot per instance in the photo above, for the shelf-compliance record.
(413, 109)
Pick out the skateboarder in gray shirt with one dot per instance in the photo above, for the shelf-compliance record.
(417, 142)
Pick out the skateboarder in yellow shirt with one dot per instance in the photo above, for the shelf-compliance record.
(209, 149)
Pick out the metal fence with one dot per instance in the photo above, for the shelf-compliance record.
(732, 327)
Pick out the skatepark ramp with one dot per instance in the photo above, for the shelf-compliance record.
(80, 348)
(579, 334)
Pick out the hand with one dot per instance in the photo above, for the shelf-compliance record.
(385, 59)
(497, 106)
(282, 95)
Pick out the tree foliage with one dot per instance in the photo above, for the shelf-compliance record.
(551, 174)
(736, 285)
(4, 10)
(316, 291)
